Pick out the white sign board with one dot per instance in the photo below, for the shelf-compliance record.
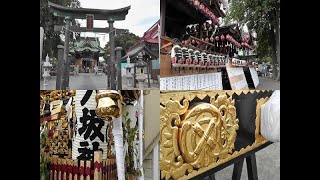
(254, 76)
(237, 78)
(209, 81)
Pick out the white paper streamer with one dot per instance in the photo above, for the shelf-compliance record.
(118, 143)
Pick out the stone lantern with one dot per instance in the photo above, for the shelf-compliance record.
(46, 71)
(129, 73)
(139, 73)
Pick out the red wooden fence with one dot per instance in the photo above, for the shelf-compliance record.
(69, 169)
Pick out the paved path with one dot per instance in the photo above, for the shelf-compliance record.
(91, 81)
(268, 165)
(81, 81)
(268, 84)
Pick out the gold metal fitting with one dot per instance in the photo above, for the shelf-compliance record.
(109, 104)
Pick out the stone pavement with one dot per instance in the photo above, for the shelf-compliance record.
(91, 81)
(268, 165)
(154, 85)
(81, 81)
(268, 84)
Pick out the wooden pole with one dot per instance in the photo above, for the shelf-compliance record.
(70, 164)
(59, 73)
(66, 52)
(148, 71)
(81, 165)
(118, 59)
(55, 168)
(59, 169)
(104, 176)
(108, 170)
(97, 161)
(75, 166)
(88, 165)
(163, 6)
(41, 48)
(64, 172)
(111, 73)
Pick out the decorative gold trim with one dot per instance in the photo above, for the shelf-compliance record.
(260, 102)
(190, 95)
(197, 136)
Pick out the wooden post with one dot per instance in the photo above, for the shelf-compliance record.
(59, 169)
(55, 168)
(88, 173)
(112, 56)
(68, 63)
(148, 71)
(75, 167)
(114, 169)
(104, 175)
(70, 164)
(41, 48)
(59, 67)
(134, 76)
(81, 166)
(162, 16)
(107, 170)
(64, 169)
(252, 167)
(118, 59)
(97, 165)
(237, 169)
(66, 51)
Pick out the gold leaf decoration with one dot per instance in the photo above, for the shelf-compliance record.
(195, 137)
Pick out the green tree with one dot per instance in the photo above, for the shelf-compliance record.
(264, 18)
(126, 41)
(47, 21)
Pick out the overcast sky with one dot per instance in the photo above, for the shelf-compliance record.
(142, 15)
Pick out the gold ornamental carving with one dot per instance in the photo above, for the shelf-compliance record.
(195, 137)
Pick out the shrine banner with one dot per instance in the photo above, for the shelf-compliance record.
(90, 131)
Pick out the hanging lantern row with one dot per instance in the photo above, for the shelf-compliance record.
(246, 45)
(246, 38)
(237, 62)
(233, 41)
(206, 11)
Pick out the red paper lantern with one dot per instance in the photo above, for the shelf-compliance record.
(228, 37)
(201, 6)
(222, 37)
(217, 38)
(207, 39)
(211, 39)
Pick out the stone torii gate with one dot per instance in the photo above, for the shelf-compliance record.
(99, 14)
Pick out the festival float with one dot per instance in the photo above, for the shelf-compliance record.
(197, 52)
(202, 132)
(89, 134)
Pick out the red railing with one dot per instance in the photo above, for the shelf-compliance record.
(69, 169)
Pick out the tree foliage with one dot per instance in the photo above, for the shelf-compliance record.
(264, 18)
(126, 41)
(48, 20)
